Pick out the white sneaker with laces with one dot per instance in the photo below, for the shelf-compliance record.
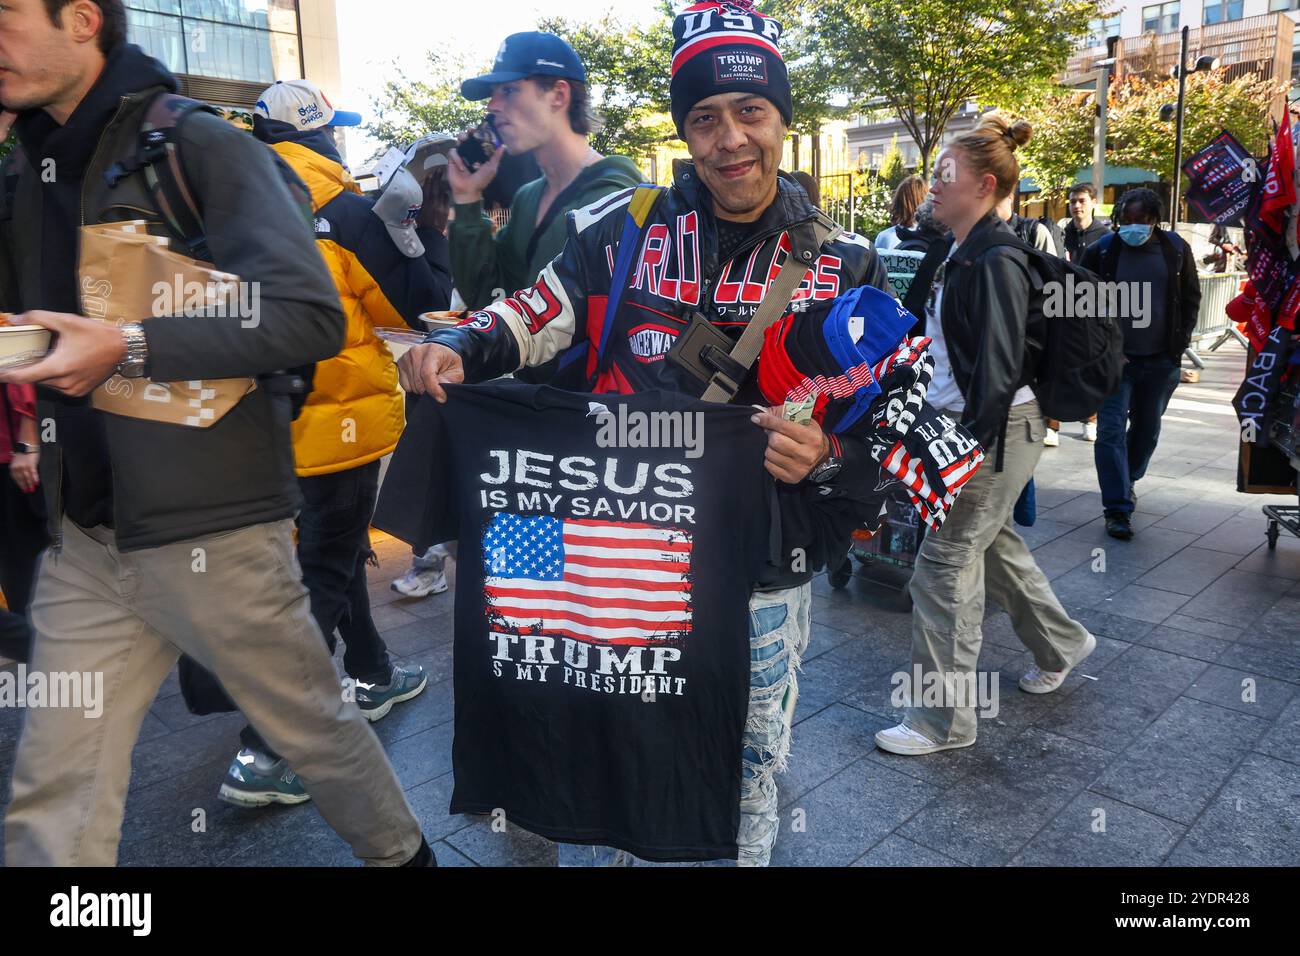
(419, 582)
(1089, 431)
(1038, 681)
(1052, 439)
(909, 743)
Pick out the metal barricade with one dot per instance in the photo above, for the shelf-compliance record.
(1212, 321)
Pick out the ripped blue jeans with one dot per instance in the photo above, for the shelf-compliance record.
(780, 623)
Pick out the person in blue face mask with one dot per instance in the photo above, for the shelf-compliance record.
(1158, 294)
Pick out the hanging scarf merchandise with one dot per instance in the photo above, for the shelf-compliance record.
(927, 452)
(1267, 310)
(865, 376)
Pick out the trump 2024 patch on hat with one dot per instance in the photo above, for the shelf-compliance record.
(302, 104)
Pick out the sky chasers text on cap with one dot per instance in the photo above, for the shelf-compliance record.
(303, 104)
(527, 54)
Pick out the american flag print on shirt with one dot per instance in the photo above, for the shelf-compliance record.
(600, 582)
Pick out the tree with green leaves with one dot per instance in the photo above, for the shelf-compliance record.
(1062, 143)
(1211, 105)
(1062, 140)
(627, 76)
(892, 170)
(926, 58)
(408, 108)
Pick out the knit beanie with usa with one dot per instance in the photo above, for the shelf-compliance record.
(726, 47)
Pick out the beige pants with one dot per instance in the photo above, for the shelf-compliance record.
(236, 604)
(977, 551)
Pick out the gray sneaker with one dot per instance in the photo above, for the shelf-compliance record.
(255, 780)
(405, 682)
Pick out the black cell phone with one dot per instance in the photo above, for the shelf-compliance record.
(475, 150)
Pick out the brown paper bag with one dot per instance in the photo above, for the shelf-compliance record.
(121, 268)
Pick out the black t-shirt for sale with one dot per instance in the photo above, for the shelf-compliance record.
(601, 648)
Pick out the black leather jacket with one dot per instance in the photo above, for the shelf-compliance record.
(985, 307)
(676, 273)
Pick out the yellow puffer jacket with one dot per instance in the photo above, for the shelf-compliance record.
(355, 412)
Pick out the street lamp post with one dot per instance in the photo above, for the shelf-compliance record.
(1102, 79)
(1178, 132)
(1203, 63)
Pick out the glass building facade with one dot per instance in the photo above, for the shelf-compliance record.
(251, 41)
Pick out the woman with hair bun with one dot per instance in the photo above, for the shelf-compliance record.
(976, 313)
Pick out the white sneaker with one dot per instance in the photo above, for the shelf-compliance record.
(1039, 681)
(906, 741)
(1052, 439)
(1089, 431)
(419, 582)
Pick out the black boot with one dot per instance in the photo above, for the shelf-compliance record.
(423, 856)
(1118, 525)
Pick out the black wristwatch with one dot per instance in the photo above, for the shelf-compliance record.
(830, 466)
(26, 448)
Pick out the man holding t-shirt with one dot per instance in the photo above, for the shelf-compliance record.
(711, 244)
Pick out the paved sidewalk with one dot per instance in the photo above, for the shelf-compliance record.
(1178, 742)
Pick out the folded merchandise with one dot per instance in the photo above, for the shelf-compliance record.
(830, 354)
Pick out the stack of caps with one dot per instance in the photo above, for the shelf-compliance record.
(928, 453)
(830, 356)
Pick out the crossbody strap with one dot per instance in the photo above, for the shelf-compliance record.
(801, 258)
(638, 212)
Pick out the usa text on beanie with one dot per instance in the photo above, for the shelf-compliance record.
(726, 47)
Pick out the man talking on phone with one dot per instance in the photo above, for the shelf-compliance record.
(536, 102)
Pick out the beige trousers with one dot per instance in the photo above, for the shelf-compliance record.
(978, 551)
(236, 604)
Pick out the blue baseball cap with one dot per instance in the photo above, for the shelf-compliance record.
(527, 54)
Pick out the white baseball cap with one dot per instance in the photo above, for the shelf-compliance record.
(302, 104)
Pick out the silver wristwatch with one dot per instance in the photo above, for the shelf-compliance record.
(136, 363)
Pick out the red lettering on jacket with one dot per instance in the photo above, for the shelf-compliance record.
(537, 305)
(650, 266)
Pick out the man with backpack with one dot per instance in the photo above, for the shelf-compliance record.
(167, 539)
(1142, 256)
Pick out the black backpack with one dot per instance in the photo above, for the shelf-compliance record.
(1053, 230)
(1076, 362)
(157, 158)
(1025, 228)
